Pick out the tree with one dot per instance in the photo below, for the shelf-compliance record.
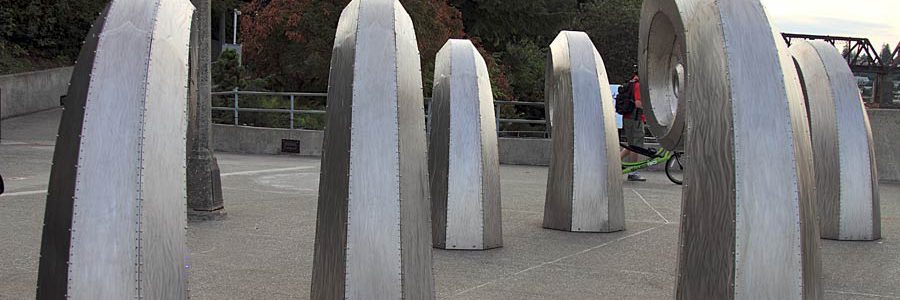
(293, 39)
(502, 22)
(613, 26)
(290, 40)
(886, 54)
(525, 61)
(518, 34)
(43, 33)
(227, 73)
(221, 11)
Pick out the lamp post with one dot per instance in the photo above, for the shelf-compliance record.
(203, 181)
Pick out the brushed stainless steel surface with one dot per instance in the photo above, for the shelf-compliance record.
(53, 275)
(661, 68)
(846, 181)
(584, 185)
(127, 184)
(164, 180)
(373, 236)
(747, 227)
(464, 164)
(810, 253)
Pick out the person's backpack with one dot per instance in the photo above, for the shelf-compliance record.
(625, 99)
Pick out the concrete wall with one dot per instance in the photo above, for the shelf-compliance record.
(530, 152)
(536, 152)
(253, 140)
(26, 93)
(886, 133)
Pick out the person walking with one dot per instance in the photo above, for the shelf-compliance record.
(632, 121)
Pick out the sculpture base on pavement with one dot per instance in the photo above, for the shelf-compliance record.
(846, 177)
(463, 159)
(373, 236)
(584, 184)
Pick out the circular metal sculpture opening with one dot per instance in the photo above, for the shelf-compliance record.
(748, 221)
(662, 63)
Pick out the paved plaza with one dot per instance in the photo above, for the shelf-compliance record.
(264, 248)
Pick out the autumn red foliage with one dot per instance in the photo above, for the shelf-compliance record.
(290, 41)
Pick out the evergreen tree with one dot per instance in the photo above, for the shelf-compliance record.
(227, 73)
(613, 26)
(886, 54)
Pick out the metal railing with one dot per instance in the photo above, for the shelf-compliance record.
(295, 99)
(236, 109)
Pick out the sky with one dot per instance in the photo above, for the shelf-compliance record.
(878, 20)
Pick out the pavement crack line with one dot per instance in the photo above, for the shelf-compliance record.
(848, 293)
(26, 193)
(650, 206)
(522, 211)
(558, 259)
(256, 172)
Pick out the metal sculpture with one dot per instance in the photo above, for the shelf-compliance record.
(661, 65)
(584, 185)
(846, 180)
(748, 214)
(463, 161)
(114, 226)
(373, 237)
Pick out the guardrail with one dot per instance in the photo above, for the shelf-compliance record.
(295, 100)
(236, 109)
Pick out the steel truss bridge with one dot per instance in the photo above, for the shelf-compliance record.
(863, 59)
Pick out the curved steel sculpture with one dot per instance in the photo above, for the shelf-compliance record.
(584, 185)
(115, 219)
(463, 159)
(373, 237)
(846, 179)
(661, 65)
(748, 226)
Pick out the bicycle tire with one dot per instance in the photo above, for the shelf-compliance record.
(676, 159)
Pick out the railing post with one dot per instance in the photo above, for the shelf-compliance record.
(236, 106)
(292, 111)
(547, 125)
(497, 117)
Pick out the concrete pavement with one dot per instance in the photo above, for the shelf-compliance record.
(264, 248)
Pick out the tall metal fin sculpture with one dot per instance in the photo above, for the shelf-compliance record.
(748, 228)
(584, 186)
(373, 238)
(846, 180)
(115, 218)
(463, 160)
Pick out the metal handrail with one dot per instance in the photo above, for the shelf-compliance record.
(297, 94)
(236, 109)
(519, 103)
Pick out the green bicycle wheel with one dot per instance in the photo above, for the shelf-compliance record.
(675, 169)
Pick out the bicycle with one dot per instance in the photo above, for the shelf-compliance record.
(672, 161)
